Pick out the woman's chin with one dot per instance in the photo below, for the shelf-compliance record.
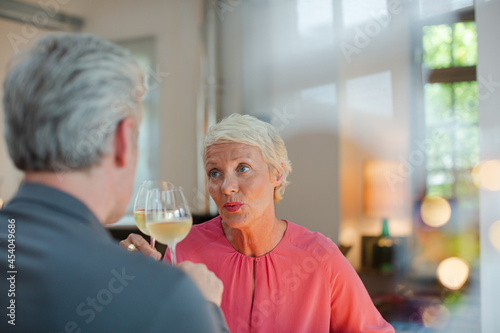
(233, 220)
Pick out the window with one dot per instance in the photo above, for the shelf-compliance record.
(449, 117)
(451, 110)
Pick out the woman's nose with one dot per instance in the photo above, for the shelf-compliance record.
(229, 185)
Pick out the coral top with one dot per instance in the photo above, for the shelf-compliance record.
(304, 284)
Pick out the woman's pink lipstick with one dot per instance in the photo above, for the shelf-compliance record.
(232, 206)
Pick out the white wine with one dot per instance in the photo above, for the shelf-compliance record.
(140, 220)
(170, 232)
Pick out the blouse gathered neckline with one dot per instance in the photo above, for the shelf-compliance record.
(276, 248)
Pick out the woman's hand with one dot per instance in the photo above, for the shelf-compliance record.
(209, 284)
(135, 242)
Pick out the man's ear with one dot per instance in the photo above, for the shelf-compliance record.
(123, 141)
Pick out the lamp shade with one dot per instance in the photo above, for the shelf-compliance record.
(383, 189)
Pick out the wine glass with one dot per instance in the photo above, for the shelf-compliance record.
(168, 218)
(140, 204)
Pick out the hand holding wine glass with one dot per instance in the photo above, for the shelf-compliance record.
(168, 218)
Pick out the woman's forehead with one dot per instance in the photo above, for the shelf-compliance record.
(231, 151)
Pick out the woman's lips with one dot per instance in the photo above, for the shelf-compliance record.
(232, 206)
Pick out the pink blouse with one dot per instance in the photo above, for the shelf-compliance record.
(304, 284)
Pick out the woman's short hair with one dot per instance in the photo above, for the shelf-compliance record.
(249, 130)
(64, 98)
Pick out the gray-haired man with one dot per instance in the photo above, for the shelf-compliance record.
(72, 107)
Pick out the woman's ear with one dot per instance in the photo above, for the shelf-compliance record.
(278, 178)
(279, 175)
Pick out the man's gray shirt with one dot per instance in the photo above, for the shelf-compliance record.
(68, 275)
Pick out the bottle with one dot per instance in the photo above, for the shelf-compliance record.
(383, 250)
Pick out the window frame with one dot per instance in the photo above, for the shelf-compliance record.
(421, 77)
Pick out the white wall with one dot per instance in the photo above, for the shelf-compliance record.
(374, 117)
(488, 69)
(176, 25)
(266, 75)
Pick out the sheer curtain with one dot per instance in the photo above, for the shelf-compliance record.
(344, 82)
(278, 63)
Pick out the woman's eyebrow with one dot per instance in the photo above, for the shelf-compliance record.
(210, 165)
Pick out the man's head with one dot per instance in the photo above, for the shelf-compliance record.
(67, 100)
(63, 100)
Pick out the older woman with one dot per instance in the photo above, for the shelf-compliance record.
(277, 275)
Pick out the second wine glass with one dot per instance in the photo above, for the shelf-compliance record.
(168, 217)
(140, 204)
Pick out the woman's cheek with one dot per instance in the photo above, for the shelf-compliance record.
(212, 190)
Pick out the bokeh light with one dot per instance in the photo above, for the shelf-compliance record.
(435, 211)
(486, 175)
(436, 316)
(453, 273)
(494, 234)
(348, 236)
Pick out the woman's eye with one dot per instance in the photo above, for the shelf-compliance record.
(213, 173)
(243, 168)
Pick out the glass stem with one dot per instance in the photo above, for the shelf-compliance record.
(173, 259)
(152, 242)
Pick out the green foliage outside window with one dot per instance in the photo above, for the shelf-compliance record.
(464, 44)
(450, 45)
(451, 111)
(438, 103)
(437, 46)
(466, 102)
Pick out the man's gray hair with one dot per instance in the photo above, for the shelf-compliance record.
(64, 98)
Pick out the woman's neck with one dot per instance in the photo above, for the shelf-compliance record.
(258, 238)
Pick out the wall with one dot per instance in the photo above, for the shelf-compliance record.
(488, 70)
(374, 117)
(176, 25)
(265, 74)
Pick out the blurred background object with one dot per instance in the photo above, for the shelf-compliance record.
(383, 198)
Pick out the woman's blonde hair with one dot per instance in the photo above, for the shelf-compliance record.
(249, 130)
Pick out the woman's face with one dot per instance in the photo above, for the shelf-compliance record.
(240, 183)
